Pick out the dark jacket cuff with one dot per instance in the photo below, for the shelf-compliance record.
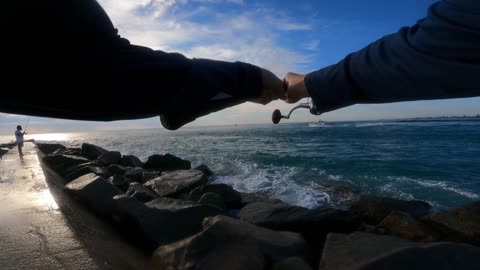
(330, 88)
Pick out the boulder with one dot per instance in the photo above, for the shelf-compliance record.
(212, 199)
(141, 193)
(68, 151)
(82, 170)
(312, 223)
(167, 162)
(109, 158)
(149, 175)
(343, 251)
(372, 251)
(169, 204)
(118, 169)
(231, 197)
(253, 197)
(458, 224)
(153, 226)
(95, 192)
(204, 168)
(172, 183)
(403, 225)
(438, 256)
(131, 161)
(134, 174)
(373, 209)
(3, 151)
(47, 148)
(292, 263)
(120, 182)
(62, 163)
(227, 241)
(91, 151)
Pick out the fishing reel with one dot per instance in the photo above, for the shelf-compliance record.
(277, 115)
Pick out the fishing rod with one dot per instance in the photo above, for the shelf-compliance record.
(277, 115)
(25, 130)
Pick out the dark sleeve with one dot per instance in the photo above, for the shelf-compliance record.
(437, 58)
(64, 59)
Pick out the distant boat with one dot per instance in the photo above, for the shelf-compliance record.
(321, 123)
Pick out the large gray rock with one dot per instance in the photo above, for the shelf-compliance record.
(157, 226)
(373, 209)
(312, 223)
(226, 241)
(371, 251)
(62, 163)
(351, 251)
(165, 203)
(212, 199)
(109, 158)
(403, 225)
(141, 193)
(118, 169)
(96, 192)
(231, 197)
(48, 148)
(167, 162)
(215, 250)
(458, 224)
(140, 175)
(120, 182)
(172, 183)
(205, 169)
(67, 151)
(91, 151)
(82, 170)
(131, 161)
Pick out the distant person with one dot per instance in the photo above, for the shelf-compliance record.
(19, 139)
(57, 47)
(437, 58)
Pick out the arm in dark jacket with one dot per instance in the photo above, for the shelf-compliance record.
(64, 59)
(439, 57)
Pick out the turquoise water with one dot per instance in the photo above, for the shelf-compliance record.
(437, 162)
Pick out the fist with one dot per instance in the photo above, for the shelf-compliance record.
(296, 88)
(272, 88)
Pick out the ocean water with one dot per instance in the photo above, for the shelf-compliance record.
(437, 161)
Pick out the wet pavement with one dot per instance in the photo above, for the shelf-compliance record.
(41, 227)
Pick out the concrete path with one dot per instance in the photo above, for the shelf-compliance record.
(38, 233)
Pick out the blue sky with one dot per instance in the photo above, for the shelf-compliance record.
(300, 36)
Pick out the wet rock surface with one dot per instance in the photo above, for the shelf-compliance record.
(172, 183)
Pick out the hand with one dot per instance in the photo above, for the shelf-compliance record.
(272, 88)
(296, 88)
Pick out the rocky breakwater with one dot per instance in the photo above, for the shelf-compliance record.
(175, 214)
